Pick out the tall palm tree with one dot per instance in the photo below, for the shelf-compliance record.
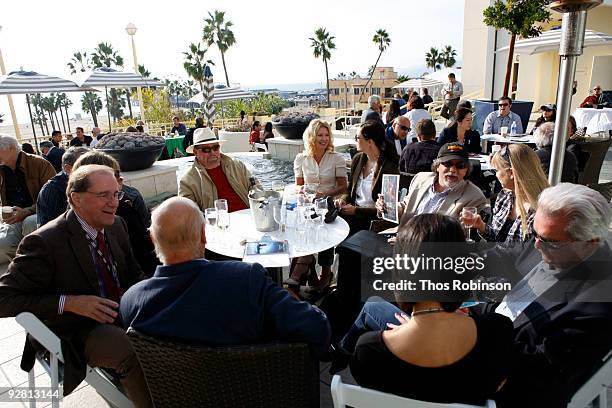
(433, 58)
(80, 62)
(66, 104)
(322, 44)
(92, 104)
(195, 64)
(382, 39)
(448, 56)
(143, 71)
(218, 31)
(39, 115)
(59, 104)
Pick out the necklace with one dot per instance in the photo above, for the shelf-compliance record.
(427, 311)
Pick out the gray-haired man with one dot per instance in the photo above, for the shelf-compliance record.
(373, 112)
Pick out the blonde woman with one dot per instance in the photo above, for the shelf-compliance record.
(318, 164)
(519, 171)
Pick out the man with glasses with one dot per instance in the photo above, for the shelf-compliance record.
(504, 117)
(214, 175)
(562, 306)
(592, 100)
(396, 133)
(71, 274)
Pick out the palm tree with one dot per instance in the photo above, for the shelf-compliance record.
(105, 56)
(67, 103)
(194, 64)
(48, 105)
(322, 43)
(59, 104)
(382, 39)
(39, 115)
(91, 103)
(80, 62)
(143, 71)
(448, 56)
(217, 31)
(433, 59)
(402, 78)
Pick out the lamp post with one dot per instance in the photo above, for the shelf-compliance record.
(131, 30)
(10, 101)
(570, 48)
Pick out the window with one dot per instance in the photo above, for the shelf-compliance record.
(335, 91)
(376, 91)
(356, 91)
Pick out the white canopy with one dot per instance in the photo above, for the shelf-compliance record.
(224, 94)
(419, 83)
(28, 82)
(442, 74)
(549, 41)
(111, 78)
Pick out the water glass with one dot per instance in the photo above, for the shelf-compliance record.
(223, 218)
(311, 192)
(321, 209)
(210, 214)
(469, 215)
(280, 216)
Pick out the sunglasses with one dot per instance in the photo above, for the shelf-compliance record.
(208, 149)
(402, 127)
(459, 165)
(549, 244)
(503, 104)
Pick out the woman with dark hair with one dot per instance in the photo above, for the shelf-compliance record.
(416, 112)
(391, 113)
(267, 133)
(376, 157)
(460, 131)
(427, 99)
(549, 114)
(435, 352)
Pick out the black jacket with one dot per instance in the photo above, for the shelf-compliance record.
(569, 173)
(471, 140)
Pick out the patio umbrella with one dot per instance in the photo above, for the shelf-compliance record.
(29, 82)
(208, 108)
(419, 83)
(224, 94)
(549, 41)
(442, 74)
(111, 78)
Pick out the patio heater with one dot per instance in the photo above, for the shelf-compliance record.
(572, 40)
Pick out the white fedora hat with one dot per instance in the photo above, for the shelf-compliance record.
(203, 136)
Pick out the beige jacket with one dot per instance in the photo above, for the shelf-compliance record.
(466, 195)
(197, 185)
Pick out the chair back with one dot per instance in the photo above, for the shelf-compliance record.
(605, 189)
(359, 397)
(597, 150)
(595, 387)
(266, 375)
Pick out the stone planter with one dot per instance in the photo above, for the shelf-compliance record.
(291, 131)
(483, 107)
(234, 141)
(137, 158)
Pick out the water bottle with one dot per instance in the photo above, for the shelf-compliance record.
(513, 128)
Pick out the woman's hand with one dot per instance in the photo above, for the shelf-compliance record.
(402, 318)
(339, 203)
(380, 203)
(348, 209)
(477, 222)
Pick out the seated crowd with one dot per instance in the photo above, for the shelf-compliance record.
(89, 260)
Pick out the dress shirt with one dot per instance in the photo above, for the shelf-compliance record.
(456, 90)
(432, 200)
(324, 174)
(494, 122)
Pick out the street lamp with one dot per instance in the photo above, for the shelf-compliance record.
(131, 30)
(10, 100)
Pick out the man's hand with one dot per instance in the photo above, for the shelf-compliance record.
(96, 308)
(339, 203)
(19, 214)
(348, 209)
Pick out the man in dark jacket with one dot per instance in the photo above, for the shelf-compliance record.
(234, 302)
(543, 137)
(53, 154)
(418, 157)
(373, 112)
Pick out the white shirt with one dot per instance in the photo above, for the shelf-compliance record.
(364, 190)
(94, 142)
(414, 116)
(324, 174)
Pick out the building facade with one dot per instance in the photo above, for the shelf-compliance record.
(345, 93)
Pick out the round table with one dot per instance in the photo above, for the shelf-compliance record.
(595, 120)
(174, 142)
(242, 227)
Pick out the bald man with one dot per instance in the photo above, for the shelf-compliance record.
(217, 303)
(397, 132)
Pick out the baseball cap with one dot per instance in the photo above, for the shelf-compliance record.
(453, 151)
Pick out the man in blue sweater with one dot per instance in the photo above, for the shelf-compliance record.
(216, 303)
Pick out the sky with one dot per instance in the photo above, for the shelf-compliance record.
(272, 45)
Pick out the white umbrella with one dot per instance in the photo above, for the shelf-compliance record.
(442, 74)
(418, 83)
(108, 77)
(29, 82)
(549, 41)
(224, 94)
(209, 108)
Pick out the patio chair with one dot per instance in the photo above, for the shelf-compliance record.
(263, 375)
(355, 396)
(51, 359)
(597, 150)
(604, 188)
(596, 388)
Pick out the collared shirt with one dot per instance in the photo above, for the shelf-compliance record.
(503, 228)
(495, 121)
(15, 186)
(456, 90)
(324, 173)
(364, 190)
(535, 283)
(432, 200)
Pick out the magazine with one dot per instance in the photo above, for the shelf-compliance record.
(390, 186)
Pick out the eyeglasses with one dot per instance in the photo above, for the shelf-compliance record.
(404, 128)
(459, 165)
(108, 195)
(503, 104)
(549, 244)
(208, 149)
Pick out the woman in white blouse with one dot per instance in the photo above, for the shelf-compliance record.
(416, 112)
(318, 164)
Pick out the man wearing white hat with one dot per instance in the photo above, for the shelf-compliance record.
(215, 175)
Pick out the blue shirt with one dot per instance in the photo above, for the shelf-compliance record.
(494, 122)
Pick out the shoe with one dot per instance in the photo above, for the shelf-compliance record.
(340, 360)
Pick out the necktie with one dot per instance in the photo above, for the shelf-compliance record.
(111, 286)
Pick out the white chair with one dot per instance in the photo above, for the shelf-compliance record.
(596, 387)
(95, 377)
(358, 397)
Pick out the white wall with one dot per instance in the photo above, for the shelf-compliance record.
(602, 72)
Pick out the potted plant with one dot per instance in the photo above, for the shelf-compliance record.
(292, 125)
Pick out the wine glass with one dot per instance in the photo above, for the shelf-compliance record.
(311, 191)
(210, 214)
(223, 219)
(469, 216)
(321, 209)
(280, 216)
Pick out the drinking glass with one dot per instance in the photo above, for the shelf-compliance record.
(280, 216)
(321, 209)
(223, 219)
(503, 131)
(311, 191)
(210, 214)
(469, 214)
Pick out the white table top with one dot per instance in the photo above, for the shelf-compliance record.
(595, 120)
(523, 138)
(242, 227)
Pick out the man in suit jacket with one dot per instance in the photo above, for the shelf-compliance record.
(71, 274)
(445, 190)
(53, 154)
(561, 308)
(216, 303)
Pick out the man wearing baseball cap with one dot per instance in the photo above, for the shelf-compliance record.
(214, 175)
(444, 190)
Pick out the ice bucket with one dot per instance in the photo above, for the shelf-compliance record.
(262, 207)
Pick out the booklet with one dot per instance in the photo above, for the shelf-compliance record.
(267, 252)
(390, 186)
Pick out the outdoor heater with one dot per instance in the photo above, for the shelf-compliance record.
(572, 40)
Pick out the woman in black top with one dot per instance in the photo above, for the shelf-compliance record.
(460, 130)
(438, 354)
